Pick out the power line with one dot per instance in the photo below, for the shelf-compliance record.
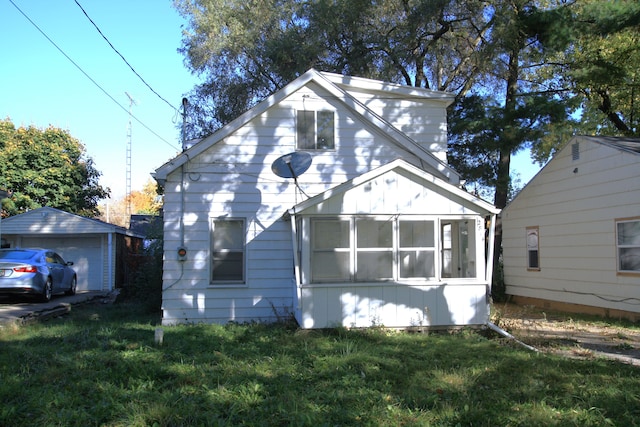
(90, 78)
(123, 58)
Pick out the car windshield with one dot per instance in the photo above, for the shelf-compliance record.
(17, 254)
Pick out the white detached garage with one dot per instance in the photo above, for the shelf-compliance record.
(99, 250)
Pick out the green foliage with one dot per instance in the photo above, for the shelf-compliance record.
(599, 65)
(100, 366)
(47, 167)
(145, 286)
(247, 51)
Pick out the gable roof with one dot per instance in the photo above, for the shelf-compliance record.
(628, 145)
(333, 83)
(631, 145)
(396, 164)
(49, 220)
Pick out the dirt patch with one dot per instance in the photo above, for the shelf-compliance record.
(569, 334)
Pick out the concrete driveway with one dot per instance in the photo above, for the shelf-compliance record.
(22, 309)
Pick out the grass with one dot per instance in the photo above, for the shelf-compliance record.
(100, 366)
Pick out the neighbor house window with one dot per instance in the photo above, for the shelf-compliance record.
(372, 248)
(315, 130)
(628, 245)
(227, 251)
(533, 249)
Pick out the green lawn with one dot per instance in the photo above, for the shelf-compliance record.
(100, 365)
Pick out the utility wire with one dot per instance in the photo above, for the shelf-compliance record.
(123, 58)
(89, 77)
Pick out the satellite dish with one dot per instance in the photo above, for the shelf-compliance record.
(291, 165)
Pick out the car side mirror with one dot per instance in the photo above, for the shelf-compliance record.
(69, 262)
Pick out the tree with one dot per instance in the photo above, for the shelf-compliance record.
(594, 57)
(522, 70)
(248, 50)
(47, 167)
(146, 202)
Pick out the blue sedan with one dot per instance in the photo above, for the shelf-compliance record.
(39, 272)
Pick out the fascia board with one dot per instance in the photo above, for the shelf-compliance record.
(164, 170)
(401, 90)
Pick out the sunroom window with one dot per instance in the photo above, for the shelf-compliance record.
(330, 250)
(417, 248)
(628, 245)
(373, 248)
(458, 248)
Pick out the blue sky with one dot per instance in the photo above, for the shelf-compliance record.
(39, 86)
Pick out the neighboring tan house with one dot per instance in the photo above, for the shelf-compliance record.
(331, 201)
(571, 237)
(99, 251)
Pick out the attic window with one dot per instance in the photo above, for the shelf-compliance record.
(575, 151)
(315, 130)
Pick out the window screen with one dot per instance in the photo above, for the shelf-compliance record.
(227, 250)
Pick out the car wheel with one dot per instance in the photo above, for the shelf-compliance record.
(47, 292)
(74, 285)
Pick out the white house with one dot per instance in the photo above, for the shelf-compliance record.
(99, 250)
(330, 201)
(571, 238)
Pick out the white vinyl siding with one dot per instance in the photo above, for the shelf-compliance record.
(232, 178)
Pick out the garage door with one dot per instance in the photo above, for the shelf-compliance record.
(85, 252)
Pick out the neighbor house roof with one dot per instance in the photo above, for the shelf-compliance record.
(628, 145)
(51, 220)
(631, 145)
(334, 84)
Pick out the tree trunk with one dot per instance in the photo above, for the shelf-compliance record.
(502, 174)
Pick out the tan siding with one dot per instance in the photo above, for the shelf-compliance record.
(575, 204)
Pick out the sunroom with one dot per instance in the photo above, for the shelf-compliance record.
(395, 247)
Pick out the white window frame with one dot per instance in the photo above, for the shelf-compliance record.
(316, 137)
(622, 247)
(421, 250)
(234, 249)
(532, 243)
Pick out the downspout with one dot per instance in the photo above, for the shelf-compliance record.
(490, 245)
(111, 279)
(489, 263)
(506, 334)
(296, 266)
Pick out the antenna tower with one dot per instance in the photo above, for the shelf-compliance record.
(132, 102)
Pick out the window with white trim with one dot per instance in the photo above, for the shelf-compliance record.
(374, 248)
(628, 245)
(315, 130)
(458, 248)
(533, 249)
(227, 250)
